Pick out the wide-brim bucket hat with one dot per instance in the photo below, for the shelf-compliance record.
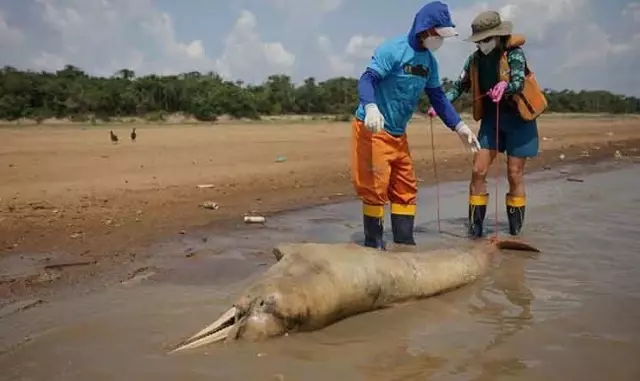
(488, 24)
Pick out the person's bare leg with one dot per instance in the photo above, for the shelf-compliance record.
(515, 175)
(516, 198)
(478, 196)
(481, 162)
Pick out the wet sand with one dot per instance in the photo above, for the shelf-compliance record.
(569, 312)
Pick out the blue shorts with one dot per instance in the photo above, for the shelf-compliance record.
(518, 137)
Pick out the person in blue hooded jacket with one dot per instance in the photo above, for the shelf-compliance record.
(401, 69)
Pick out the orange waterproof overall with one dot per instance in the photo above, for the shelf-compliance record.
(381, 172)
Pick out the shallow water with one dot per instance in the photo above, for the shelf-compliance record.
(569, 312)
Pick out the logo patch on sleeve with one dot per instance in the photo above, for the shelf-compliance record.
(417, 70)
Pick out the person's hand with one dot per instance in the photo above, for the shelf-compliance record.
(468, 138)
(497, 91)
(431, 112)
(373, 119)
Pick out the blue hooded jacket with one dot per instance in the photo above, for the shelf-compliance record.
(401, 69)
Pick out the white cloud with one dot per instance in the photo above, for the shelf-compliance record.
(247, 57)
(361, 46)
(633, 10)
(308, 6)
(50, 61)
(108, 35)
(305, 16)
(358, 49)
(160, 26)
(105, 36)
(535, 17)
(591, 46)
(570, 43)
(338, 64)
(9, 35)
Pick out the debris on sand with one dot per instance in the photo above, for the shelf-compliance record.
(205, 186)
(617, 154)
(190, 252)
(281, 159)
(254, 219)
(575, 180)
(46, 277)
(18, 306)
(60, 265)
(139, 275)
(210, 205)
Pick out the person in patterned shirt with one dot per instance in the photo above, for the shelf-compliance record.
(495, 74)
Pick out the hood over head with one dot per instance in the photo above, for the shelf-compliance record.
(432, 15)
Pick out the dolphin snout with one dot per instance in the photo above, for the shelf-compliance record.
(217, 331)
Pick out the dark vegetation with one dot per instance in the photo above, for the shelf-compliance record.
(71, 93)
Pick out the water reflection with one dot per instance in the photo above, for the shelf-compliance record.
(508, 279)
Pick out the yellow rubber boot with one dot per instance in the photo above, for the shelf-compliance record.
(373, 221)
(402, 221)
(477, 213)
(515, 212)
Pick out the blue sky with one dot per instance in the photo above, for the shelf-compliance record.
(578, 44)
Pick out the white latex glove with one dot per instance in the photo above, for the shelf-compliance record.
(468, 137)
(373, 119)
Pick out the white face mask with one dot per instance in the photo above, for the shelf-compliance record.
(433, 43)
(487, 47)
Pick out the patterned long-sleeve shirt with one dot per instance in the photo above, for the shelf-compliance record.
(517, 62)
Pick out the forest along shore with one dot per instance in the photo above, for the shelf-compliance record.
(71, 189)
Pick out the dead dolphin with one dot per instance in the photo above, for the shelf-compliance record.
(314, 285)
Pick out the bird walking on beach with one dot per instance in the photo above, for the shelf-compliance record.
(133, 134)
(114, 137)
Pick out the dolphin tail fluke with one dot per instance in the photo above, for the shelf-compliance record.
(513, 244)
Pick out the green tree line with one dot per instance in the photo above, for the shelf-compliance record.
(72, 93)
